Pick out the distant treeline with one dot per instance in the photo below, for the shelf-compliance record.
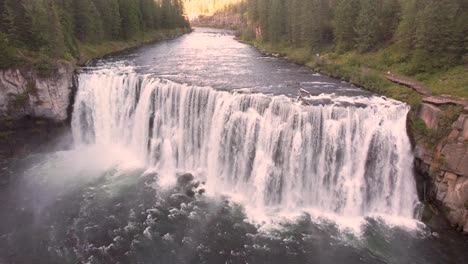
(208, 7)
(431, 33)
(55, 28)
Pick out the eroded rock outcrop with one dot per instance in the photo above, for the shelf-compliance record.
(27, 92)
(430, 114)
(447, 166)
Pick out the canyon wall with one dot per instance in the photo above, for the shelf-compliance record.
(28, 92)
(445, 167)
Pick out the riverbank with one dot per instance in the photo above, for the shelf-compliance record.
(91, 52)
(437, 122)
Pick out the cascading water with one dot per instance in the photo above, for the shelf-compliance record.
(323, 178)
(350, 157)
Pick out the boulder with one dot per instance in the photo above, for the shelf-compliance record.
(457, 191)
(184, 179)
(430, 114)
(459, 124)
(464, 133)
(453, 154)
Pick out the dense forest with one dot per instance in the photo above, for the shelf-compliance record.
(431, 34)
(56, 28)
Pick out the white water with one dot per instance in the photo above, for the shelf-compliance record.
(271, 152)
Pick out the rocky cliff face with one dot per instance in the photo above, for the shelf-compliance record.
(446, 168)
(27, 92)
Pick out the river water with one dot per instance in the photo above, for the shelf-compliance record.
(202, 149)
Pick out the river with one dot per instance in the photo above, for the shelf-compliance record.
(201, 149)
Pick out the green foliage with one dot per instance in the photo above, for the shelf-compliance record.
(7, 52)
(367, 27)
(316, 24)
(430, 33)
(277, 21)
(431, 137)
(20, 100)
(344, 24)
(56, 29)
(44, 65)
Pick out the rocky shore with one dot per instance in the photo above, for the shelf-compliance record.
(445, 168)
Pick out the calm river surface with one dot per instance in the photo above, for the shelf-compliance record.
(201, 149)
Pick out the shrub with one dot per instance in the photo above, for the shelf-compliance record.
(7, 52)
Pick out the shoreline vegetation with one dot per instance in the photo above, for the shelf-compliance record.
(373, 80)
(39, 33)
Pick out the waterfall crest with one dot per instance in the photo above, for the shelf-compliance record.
(350, 157)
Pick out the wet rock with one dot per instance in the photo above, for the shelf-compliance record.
(190, 193)
(452, 193)
(434, 218)
(465, 226)
(430, 114)
(185, 179)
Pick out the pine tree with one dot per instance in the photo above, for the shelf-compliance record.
(389, 17)
(129, 12)
(276, 21)
(88, 23)
(294, 22)
(406, 32)
(263, 13)
(436, 43)
(344, 24)
(367, 28)
(316, 24)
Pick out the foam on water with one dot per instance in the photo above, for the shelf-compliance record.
(269, 152)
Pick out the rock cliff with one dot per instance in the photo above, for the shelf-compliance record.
(446, 167)
(28, 92)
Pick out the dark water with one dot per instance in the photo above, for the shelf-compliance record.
(88, 206)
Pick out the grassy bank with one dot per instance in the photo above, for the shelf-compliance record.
(358, 67)
(365, 70)
(346, 67)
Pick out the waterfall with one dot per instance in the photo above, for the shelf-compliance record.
(350, 157)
